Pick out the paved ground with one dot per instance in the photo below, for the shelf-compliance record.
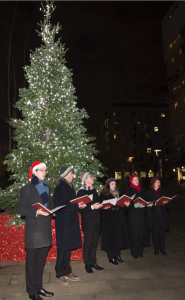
(151, 277)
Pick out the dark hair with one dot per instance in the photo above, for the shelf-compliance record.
(153, 184)
(106, 190)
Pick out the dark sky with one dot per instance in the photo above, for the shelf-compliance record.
(115, 48)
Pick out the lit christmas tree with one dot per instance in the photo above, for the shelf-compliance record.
(52, 129)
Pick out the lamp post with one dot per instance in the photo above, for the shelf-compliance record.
(159, 162)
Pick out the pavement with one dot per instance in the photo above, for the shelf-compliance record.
(152, 277)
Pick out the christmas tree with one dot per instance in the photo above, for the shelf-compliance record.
(52, 129)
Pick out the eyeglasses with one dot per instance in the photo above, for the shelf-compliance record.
(91, 176)
(41, 170)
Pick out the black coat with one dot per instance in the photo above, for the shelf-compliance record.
(138, 232)
(68, 235)
(90, 218)
(114, 235)
(38, 228)
(157, 215)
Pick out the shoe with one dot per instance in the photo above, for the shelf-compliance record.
(72, 277)
(136, 257)
(97, 267)
(163, 252)
(88, 269)
(156, 252)
(37, 297)
(62, 281)
(141, 256)
(113, 261)
(118, 258)
(44, 293)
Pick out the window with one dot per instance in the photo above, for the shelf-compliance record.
(148, 121)
(107, 148)
(149, 143)
(132, 113)
(184, 100)
(147, 114)
(124, 121)
(148, 128)
(106, 123)
(143, 174)
(123, 114)
(175, 40)
(156, 128)
(132, 128)
(140, 143)
(116, 114)
(172, 61)
(117, 175)
(149, 158)
(147, 135)
(141, 151)
(140, 128)
(107, 136)
(139, 113)
(131, 121)
(133, 136)
(141, 136)
(114, 136)
(155, 113)
(176, 90)
(141, 158)
(149, 150)
(180, 51)
(175, 105)
(163, 115)
(183, 83)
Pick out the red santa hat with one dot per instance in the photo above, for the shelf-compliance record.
(36, 165)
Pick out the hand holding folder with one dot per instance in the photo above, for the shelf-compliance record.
(39, 206)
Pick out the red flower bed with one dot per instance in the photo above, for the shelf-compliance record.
(12, 242)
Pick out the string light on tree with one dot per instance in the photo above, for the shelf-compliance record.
(51, 129)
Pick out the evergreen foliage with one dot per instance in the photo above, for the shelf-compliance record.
(52, 129)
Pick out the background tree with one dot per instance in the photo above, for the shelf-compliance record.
(52, 129)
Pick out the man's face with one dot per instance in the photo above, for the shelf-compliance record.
(69, 177)
(89, 180)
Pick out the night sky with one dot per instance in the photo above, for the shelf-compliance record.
(115, 48)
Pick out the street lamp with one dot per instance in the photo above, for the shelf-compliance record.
(132, 166)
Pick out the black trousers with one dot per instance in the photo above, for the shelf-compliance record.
(136, 251)
(113, 254)
(62, 266)
(35, 261)
(158, 237)
(90, 247)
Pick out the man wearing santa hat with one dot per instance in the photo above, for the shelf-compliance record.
(38, 236)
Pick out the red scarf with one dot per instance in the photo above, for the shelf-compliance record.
(156, 191)
(138, 188)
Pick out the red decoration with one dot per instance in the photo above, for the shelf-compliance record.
(12, 242)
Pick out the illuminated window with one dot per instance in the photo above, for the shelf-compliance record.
(176, 90)
(180, 51)
(172, 60)
(174, 41)
(118, 175)
(116, 122)
(176, 105)
(162, 115)
(142, 174)
(183, 83)
(169, 16)
(114, 136)
(107, 136)
(184, 99)
(149, 150)
(156, 129)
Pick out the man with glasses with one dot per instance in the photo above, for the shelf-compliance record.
(90, 222)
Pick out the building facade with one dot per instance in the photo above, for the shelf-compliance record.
(173, 32)
(148, 126)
